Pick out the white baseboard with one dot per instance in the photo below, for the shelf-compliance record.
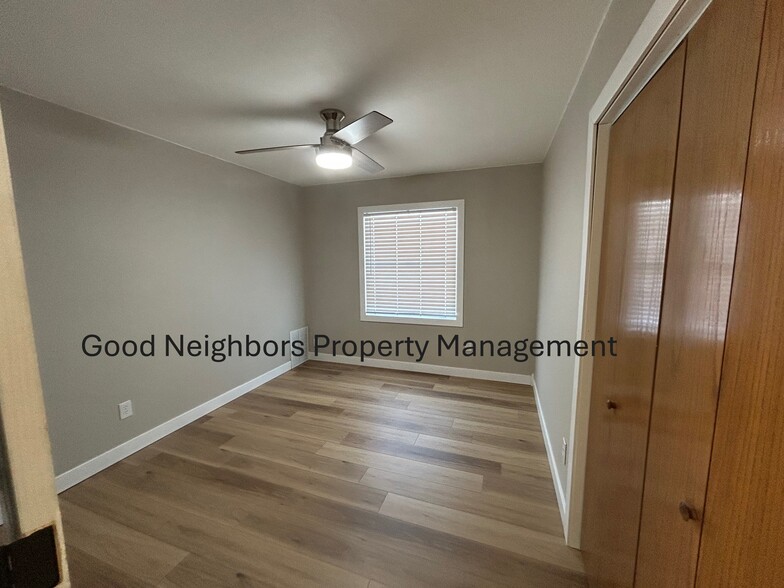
(103, 461)
(427, 368)
(560, 495)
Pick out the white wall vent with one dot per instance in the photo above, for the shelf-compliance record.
(299, 335)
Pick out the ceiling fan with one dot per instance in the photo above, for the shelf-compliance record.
(336, 149)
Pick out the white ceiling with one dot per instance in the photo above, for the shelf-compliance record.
(469, 83)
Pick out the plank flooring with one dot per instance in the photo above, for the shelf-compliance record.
(332, 475)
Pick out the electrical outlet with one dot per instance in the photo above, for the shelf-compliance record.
(126, 409)
(564, 450)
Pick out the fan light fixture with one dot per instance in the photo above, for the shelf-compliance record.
(337, 147)
(334, 158)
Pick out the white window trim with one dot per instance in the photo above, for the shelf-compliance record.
(362, 210)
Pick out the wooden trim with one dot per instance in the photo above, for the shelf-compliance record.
(26, 436)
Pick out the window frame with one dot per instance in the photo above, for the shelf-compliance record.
(411, 320)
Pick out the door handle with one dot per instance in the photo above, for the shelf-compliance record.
(611, 405)
(688, 512)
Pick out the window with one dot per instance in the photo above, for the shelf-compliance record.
(411, 263)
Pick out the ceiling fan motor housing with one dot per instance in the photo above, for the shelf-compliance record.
(333, 117)
(328, 144)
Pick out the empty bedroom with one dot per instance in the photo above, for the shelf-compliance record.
(395, 293)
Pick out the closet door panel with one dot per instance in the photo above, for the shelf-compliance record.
(743, 531)
(718, 96)
(634, 242)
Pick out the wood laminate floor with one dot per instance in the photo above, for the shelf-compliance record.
(332, 475)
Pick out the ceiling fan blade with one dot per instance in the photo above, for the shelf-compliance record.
(362, 128)
(364, 162)
(281, 148)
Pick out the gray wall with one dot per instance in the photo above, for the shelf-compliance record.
(562, 218)
(502, 216)
(125, 235)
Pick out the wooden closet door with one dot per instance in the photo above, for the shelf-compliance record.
(743, 531)
(634, 243)
(718, 94)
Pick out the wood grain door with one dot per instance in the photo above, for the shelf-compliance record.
(641, 163)
(743, 531)
(718, 93)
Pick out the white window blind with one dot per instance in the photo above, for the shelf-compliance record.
(411, 263)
